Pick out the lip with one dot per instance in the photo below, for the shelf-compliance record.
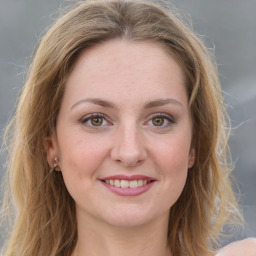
(132, 177)
(128, 191)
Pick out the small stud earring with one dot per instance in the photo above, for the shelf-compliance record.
(55, 165)
(56, 162)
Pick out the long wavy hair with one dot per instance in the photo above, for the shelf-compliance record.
(43, 218)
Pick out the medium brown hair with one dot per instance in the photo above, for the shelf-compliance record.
(44, 212)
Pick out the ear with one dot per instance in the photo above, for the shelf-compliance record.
(191, 158)
(52, 150)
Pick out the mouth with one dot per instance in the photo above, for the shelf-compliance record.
(127, 183)
(123, 185)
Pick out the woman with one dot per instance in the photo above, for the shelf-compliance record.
(118, 145)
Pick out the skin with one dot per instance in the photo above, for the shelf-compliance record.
(144, 128)
(246, 247)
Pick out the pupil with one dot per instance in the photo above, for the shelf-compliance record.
(97, 121)
(158, 121)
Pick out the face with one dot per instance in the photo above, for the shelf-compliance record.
(124, 133)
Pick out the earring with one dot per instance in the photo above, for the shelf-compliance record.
(55, 165)
(56, 162)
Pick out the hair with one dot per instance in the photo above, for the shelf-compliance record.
(42, 211)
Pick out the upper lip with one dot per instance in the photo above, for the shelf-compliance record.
(125, 177)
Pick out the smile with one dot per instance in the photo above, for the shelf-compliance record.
(126, 183)
(123, 185)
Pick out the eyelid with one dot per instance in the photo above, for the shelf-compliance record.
(91, 116)
(86, 118)
(168, 117)
(162, 114)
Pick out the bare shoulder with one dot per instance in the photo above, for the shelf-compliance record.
(246, 247)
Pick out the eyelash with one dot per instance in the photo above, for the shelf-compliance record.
(170, 120)
(90, 117)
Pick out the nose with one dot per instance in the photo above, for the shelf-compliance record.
(128, 147)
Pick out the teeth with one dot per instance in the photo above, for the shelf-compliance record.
(127, 183)
(117, 183)
(140, 183)
(133, 184)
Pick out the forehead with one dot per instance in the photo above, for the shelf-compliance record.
(124, 68)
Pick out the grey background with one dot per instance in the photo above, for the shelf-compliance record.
(227, 25)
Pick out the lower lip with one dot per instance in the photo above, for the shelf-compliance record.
(129, 191)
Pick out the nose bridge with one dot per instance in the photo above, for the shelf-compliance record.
(128, 145)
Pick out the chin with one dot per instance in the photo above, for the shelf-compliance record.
(132, 217)
(128, 221)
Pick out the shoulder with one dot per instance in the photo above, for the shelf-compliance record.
(246, 247)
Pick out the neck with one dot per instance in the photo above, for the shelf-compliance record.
(97, 238)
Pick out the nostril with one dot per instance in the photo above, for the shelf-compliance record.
(128, 149)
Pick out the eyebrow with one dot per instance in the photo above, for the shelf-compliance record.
(162, 102)
(96, 101)
(108, 104)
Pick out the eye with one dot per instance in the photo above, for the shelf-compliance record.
(158, 121)
(161, 121)
(97, 121)
(94, 121)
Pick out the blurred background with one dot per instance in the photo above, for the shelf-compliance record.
(228, 26)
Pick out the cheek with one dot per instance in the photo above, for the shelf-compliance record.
(81, 157)
(172, 158)
(80, 161)
(173, 154)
